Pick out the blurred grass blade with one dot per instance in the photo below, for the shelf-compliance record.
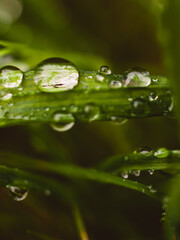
(80, 224)
(40, 236)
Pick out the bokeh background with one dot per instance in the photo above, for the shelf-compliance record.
(117, 33)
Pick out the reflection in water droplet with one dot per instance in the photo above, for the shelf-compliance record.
(161, 153)
(17, 193)
(62, 122)
(56, 75)
(10, 77)
(92, 112)
(105, 70)
(151, 171)
(115, 84)
(136, 77)
(125, 174)
(139, 106)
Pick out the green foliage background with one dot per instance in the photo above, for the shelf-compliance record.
(118, 33)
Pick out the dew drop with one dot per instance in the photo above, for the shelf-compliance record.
(11, 77)
(161, 153)
(151, 171)
(92, 112)
(17, 193)
(118, 120)
(115, 84)
(153, 96)
(105, 70)
(143, 150)
(136, 77)
(6, 97)
(125, 174)
(136, 173)
(99, 77)
(56, 75)
(62, 122)
(152, 190)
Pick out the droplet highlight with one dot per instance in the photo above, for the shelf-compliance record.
(105, 70)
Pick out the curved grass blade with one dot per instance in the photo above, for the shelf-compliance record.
(170, 160)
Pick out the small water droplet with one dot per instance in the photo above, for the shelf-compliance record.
(6, 97)
(56, 75)
(62, 122)
(139, 106)
(136, 173)
(11, 77)
(161, 153)
(136, 77)
(18, 193)
(92, 112)
(153, 96)
(47, 192)
(150, 171)
(125, 174)
(143, 150)
(99, 77)
(115, 84)
(152, 190)
(118, 120)
(105, 70)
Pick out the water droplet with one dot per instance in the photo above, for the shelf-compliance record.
(92, 112)
(99, 77)
(139, 106)
(136, 77)
(136, 173)
(17, 193)
(152, 190)
(56, 75)
(118, 120)
(125, 174)
(11, 77)
(47, 192)
(6, 97)
(143, 150)
(151, 171)
(161, 153)
(115, 84)
(105, 70)
(153, 96)
(62, 122)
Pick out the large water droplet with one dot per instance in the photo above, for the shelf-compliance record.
(10, 77)
(161, 153)
(18, 193)
(92, 112)
(136, 77)
(56, 75)
(105, 70)
(5, 96)
(62, 122)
